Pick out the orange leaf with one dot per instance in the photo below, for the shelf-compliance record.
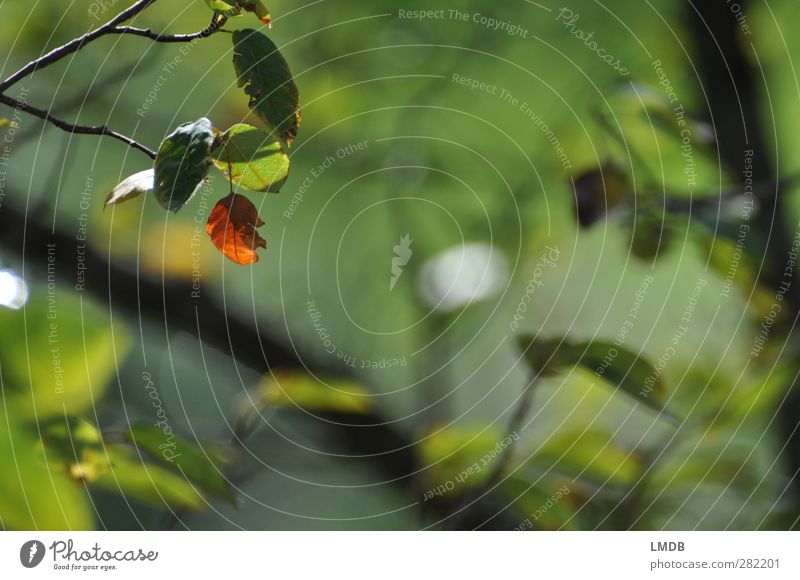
(232, 227)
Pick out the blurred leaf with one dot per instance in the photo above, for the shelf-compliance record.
(232, 227)
(593, 456)
(229, 9)
(545, 508)
(598, 191)
(80, 447)
(651, 235)
(146, 482)
(181, 456)
(182, 163)
(31, 496)
(132, 187)
(58, 354)
(462, 455)
(265, 76)
(257, 162)
(257, 7)
(629, 372)
(302, 390)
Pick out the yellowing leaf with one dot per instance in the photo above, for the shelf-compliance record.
(232, 227)
(251, 158)
(132, 187)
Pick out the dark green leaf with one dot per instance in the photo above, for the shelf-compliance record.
(265, 76)
(257, 162)
(181, 456)
(147, 482)
(182, 163)
(629, 372)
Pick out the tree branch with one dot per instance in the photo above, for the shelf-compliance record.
(73, 45)
(216, 24)
(101, 130)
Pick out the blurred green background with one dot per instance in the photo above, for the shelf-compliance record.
(385, 397)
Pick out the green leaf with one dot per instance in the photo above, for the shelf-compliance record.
(132, 187)
(78, 445)
(544, 508)
(257, 162)
(630, 373)
(148, 483)
(182, 163)
(181, 456)
(31, 496)
(227, 8)
(591, 455)
(58, 353)
(265, 76)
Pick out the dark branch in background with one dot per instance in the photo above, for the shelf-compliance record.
(727, 72)
(75, 45)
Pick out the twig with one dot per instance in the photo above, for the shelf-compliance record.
(75, 128)
(216, 24)
(73, 45)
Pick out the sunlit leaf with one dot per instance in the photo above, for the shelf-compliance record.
(629, 372)
(31, 496)
(257, 7)
(251, 159)
(591, 455)
(182, 163)
(265, 76)
(544, 508)
(147, 482)
(132, 187)
(462, 457)
(181, 456)
(232, 227)
(58, 354)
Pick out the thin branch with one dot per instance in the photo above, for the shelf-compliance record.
(75, 128)
(73, 45)
(216, 24)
